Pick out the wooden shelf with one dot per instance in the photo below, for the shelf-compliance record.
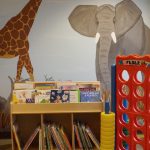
(56, 108)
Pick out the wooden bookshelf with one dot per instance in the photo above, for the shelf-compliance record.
(28, 116)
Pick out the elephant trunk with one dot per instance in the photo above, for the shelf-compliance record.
(102, 68)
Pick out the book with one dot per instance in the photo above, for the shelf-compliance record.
(59, 96)
(14, 130)
(77, 136)
(42, 96)
(92, 137)
(31, 138)
(40, 139)
(45, 85)
(23, 85)
(74, 96)
(67, 85)
(65, 138)
(85, 146)
(50, 137)
(89, 86)
(90, 96)
(23, 96)
(56, 138)
(61, 138)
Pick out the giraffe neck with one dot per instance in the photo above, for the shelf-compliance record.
(27, 14)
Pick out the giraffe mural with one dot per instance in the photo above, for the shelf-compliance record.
(14, 37)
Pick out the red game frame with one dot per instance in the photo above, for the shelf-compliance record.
(133, 102)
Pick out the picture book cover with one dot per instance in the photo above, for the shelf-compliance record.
(42, 96)
(59, 96)
(90, 96)
(74, 96)
(24, 96)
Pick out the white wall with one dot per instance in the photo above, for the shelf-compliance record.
(55, 48)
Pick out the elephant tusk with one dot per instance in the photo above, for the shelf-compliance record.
(113, 35)
(97, 37)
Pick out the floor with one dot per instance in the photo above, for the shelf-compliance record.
(5, 144)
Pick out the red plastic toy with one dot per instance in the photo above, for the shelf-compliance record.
(133, 102)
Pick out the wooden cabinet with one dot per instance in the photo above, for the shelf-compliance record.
(29, 116)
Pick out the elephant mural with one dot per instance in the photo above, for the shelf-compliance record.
(118, 30)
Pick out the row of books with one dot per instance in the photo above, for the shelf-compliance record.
(64, 85)
(53, 136)
(85, 137)
(81, 92)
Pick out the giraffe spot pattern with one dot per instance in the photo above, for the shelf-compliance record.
(4, 45)
(22, 51)
(15, 34)
(13, 43)
(7, 36)
(24, 19)
(1, 39)
(9, 26)
(18, 25)
(22, 35)
(20, 43)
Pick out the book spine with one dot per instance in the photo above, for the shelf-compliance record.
(16, 137)
(92, 137)
(65, 138)
(28, 143)
(81, 135)
(78, 136)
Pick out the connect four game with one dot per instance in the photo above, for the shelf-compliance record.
(133, 102)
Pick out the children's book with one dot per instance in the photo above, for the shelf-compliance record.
(56, 137)
(67, 85)
(31, 138)
(74, 96)
(77, 136)
(42, 96)
(24, 96)
(82, 137)
(87, 139)
(90, 96)
(45, 86)
(92, 137)
(89, 86)
(14, 130)
(23, 86)
(59, 96)
(65, 138)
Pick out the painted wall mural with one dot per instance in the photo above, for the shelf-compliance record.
(14, 37)
(122, 24)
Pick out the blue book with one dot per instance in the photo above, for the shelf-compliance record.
(90, 96)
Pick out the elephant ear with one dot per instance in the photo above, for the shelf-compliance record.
(127, 15)
(83, 20)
